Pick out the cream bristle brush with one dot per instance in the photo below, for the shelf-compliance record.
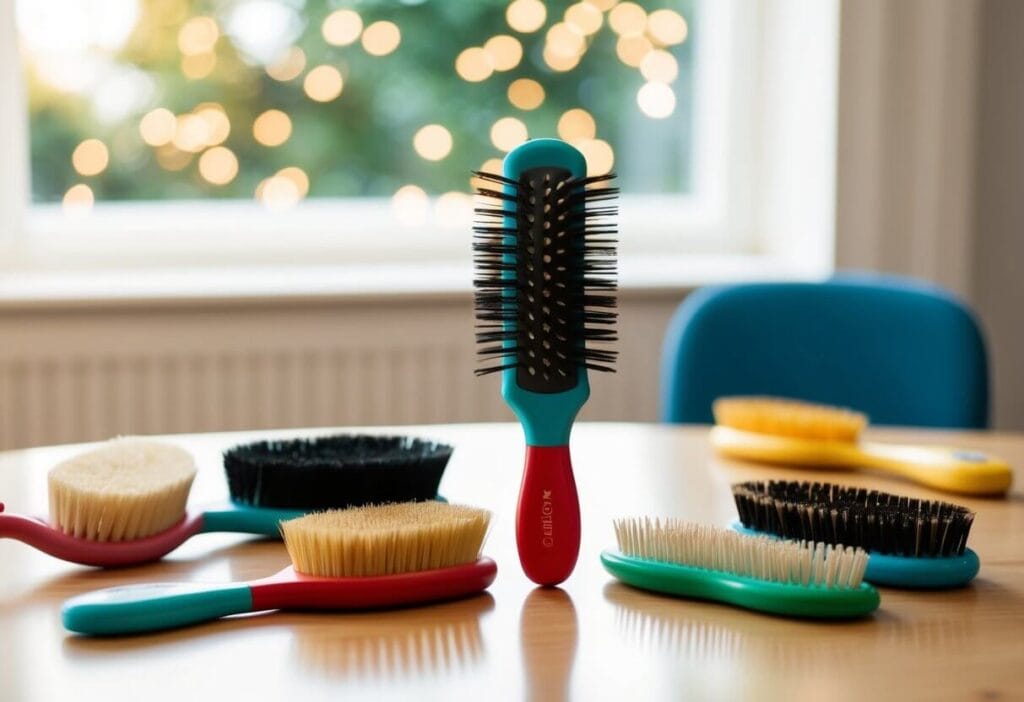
(696, 561)
(807, 435)
(359, 558)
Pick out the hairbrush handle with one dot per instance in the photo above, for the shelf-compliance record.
(244, 519)
(941, 467)
(548, 516)
(150, 607)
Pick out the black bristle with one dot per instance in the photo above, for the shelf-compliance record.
(545, 287)
(875, 521)
(335, 472)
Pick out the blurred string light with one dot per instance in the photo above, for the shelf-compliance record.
(564, 40)
(656, 100)
(198, 66)
(627, 19)
(632, 50)
(505, 52)
(526, 15)
(217, 122)
(576, 124)
(667, 27)
(157, 127)
(298, 177)
(198, 35)
(323, 83)
(381, 38)
(272, 128)
(526, 94)
(278, 193)
(342, 27)
(584, 18)
(474, 64)
(90, 157)
(288, 65)
(410, 205)
(191, 133)
(218, 165)
(507, 133)
(491, 165)
(659, 66)
(171, 158)
(453, 209)
(602, 5)
(78, 200)
(599, 155)
(432, 142)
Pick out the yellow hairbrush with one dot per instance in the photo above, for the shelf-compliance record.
(790, 432)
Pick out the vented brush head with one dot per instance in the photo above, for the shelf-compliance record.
(876, 521)
(544, 253)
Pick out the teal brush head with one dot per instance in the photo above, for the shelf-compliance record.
(787, 578)
(913, 543)
(544, 252)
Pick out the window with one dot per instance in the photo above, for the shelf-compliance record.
(241, 127)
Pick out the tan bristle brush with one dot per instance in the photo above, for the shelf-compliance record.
(791, 432)
(359, 558)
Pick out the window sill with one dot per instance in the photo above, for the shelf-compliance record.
(239, 286)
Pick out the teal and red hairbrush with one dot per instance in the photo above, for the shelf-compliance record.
(544, 252)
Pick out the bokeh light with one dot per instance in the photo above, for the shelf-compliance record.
(505, 52)
(659, 66)
(342, 27)
(297, 176)
(559, 62)
(410, 205)
(576, 124)
(599, 155)
(218, 165)
(584, 18)
(78, 200)
(191, 133)
(656, 100)
(217, 122)
(564, 41)
(278, 193)
(171, 158)
(526, 94)
(90, 157)
(491, 165)
(288, 65)
(508, 133)
(157, 127)
(272, 128)
(627, 19)
(526, 15)
(632, 50)
(198, 66)
(602, 5)
(381, 38)
(432, 142)
(323, 83)
(667, 27)
(198, 36)
(474, 64)
(453, 209)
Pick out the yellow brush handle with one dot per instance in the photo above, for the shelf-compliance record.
(943, 468)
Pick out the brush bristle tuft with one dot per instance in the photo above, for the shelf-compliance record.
(726, 551)
(790, 418)
(876, 521)
(126, 489)
(544, 251)
(334, 472)
(385, 539)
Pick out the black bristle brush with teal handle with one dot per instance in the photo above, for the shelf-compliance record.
(544, 252)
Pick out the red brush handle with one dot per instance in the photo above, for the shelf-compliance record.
(548, 517)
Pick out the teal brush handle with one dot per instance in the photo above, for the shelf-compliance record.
(785, 599)
(137, 608)
(244, 519)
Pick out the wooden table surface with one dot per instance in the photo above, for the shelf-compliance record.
(591, 639)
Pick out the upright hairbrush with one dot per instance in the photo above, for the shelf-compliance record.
(124, 503)
(913, 543)
(790, 432)
(545, 259)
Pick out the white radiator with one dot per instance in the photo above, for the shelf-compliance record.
(79, 375)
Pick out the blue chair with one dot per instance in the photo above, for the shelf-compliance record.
(901, 351)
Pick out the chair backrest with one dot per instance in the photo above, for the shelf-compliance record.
(903, 352)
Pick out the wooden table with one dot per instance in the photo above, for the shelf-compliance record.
(592, 639)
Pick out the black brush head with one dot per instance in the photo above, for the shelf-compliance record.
(550, 276)
(334, 472)
(875, 521)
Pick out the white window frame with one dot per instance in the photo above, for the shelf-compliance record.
(727, 215)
